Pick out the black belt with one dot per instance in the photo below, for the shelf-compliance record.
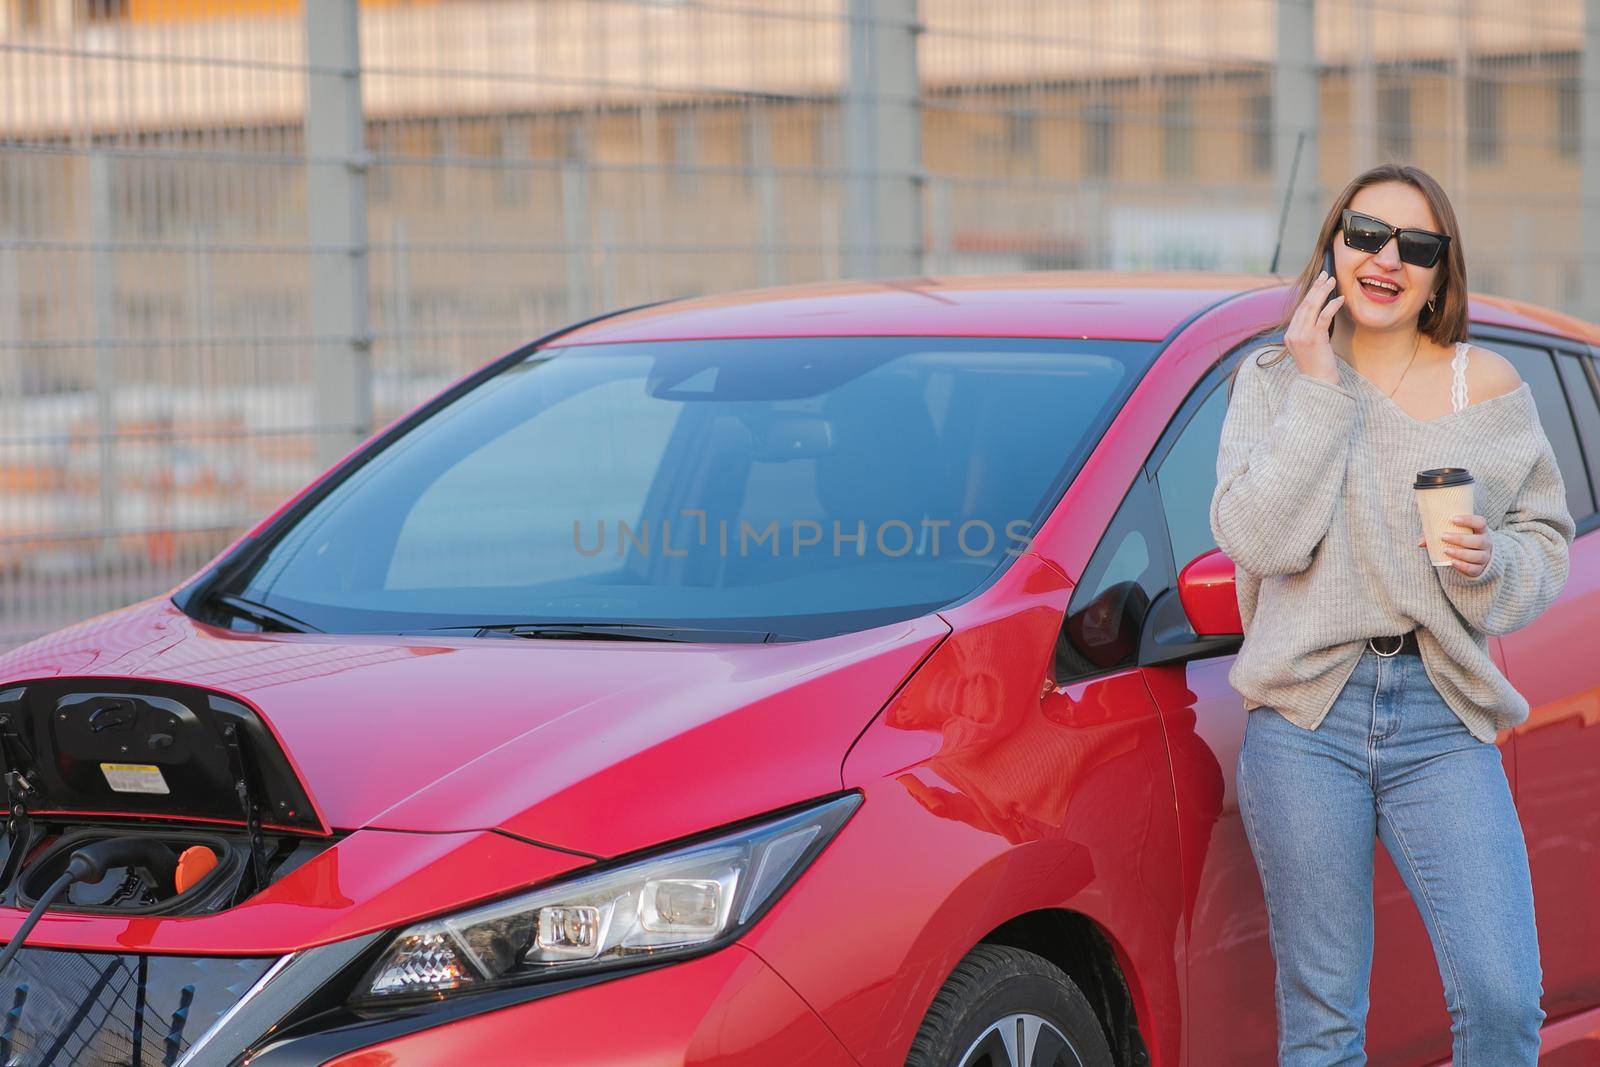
(1385, 646)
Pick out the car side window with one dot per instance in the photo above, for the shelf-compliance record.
(1186, 477)
(1581, 383)
(1538, 369)
(1130, 567)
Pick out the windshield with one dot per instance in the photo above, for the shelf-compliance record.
(799, 486)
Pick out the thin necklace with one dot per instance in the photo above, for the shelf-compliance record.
(1408, 364)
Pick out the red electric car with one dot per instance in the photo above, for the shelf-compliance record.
(821, 675)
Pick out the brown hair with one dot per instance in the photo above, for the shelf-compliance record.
(1446, 324)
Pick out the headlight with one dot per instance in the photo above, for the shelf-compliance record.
(678, 903)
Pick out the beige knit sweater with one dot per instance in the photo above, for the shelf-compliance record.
(1314, 506)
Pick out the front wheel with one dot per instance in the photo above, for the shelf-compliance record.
(1006, 1007)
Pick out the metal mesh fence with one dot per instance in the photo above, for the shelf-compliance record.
(163, 360)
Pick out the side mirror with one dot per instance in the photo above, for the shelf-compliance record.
(1210, 602)
(1197, 619)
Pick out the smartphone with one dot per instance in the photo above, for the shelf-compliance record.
(1327, 265)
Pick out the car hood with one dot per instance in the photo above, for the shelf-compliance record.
(596, 747)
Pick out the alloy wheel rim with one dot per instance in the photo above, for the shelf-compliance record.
(1021, 1039)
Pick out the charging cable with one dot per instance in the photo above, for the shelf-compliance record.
(90, 864)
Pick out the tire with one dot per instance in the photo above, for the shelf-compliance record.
(997, 983)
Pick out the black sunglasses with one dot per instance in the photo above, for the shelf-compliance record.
(1420, 248)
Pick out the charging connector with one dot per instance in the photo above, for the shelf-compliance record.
(91, 863)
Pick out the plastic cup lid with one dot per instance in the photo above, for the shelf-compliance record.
(1440, 477)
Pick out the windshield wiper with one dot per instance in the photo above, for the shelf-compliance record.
(618, 631)
(265, 617)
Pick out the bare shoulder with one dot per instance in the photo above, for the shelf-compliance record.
(1489, 374)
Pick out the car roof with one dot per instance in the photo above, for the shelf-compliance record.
(1110, 305)
(1117, 305)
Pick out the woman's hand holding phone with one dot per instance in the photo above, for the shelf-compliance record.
(1309, 332)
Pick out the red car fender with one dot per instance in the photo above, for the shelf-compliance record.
(991, 793)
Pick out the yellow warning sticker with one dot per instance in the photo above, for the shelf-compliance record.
(134, 777)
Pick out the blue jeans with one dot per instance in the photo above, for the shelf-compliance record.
(1392, 760)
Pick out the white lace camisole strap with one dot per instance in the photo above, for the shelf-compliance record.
(1458, 381)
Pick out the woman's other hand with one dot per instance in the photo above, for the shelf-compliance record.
(1469, 551)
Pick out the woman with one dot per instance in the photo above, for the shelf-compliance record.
(1372, 702)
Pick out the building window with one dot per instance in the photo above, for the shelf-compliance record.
(105, 10)
(441, 158)
(380, 172)
(755, 146)
(1483, 120)
(1260, 132)
(27, 187)
(513, 177)
(1177, 137)
(1394, 121)
(1099, 127)
(576, 139)
(1567, 118)
(825, 135)
(25, 14)
(685, 182)
(1021, 126)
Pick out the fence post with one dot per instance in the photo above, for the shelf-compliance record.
(103, 300)
(758, 135)
(940, 225)
(883, 141)
(10, 324)
(400, 308)
(1364, 139)
(575, 237)
(202, 317)
(1589, 179)
(1295, 107)
(336, 210)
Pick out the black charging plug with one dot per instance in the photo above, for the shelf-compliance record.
(90, 864)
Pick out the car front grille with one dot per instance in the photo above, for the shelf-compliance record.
(97, 1009)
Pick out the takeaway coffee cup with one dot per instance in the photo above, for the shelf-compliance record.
(1441, 493)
